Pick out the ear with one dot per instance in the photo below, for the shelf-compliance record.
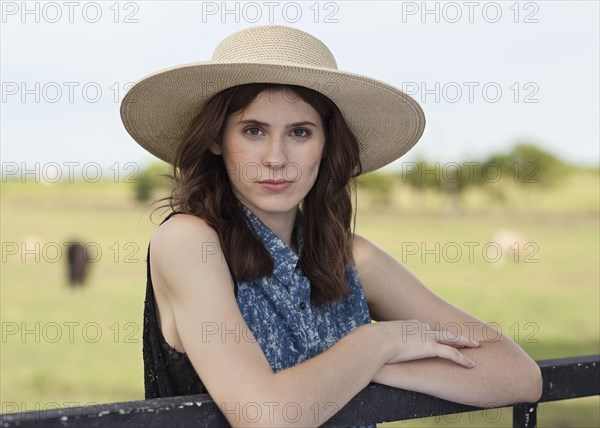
(215, 149)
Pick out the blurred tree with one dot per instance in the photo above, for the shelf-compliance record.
(528, 164)
(450, 178)
(154, 176)
(413, 174)
(378, 186)
(525, 163)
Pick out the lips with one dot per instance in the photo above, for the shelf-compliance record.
(275, 185)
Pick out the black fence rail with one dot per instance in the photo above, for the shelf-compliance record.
(563, 379)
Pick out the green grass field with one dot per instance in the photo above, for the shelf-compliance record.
(63, 347)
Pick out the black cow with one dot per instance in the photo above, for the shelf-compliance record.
(78, 263)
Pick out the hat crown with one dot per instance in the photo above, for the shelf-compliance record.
(274, 43)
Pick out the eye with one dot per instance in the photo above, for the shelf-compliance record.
(301, 132)
(253, 130)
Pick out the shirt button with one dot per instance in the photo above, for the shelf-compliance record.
(302, 305)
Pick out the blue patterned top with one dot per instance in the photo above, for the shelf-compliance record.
(279, 313)
(277, 310)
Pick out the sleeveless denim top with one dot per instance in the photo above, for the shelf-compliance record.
(277, 310)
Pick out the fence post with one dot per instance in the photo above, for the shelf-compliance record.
(525, 415)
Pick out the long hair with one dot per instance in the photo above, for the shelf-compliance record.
(202, 188)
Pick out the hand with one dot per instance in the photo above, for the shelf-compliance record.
(413, 340)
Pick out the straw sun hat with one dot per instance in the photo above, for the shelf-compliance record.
(158, 109)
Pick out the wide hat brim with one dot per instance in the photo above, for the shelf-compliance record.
(157, 111)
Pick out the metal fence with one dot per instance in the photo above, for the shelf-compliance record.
(563, 378)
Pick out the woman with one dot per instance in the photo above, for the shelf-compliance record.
(258, 291)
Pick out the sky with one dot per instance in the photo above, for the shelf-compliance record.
(487, 74)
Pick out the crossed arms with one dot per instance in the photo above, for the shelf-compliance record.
(403, 349)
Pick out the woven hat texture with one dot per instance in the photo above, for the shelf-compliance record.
(158, 110)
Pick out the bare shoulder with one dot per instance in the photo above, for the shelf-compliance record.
(365, 253)
(367, 258)
(185, 246)
(182, 233)
(183, 227)
(385, 280)
(393, 292)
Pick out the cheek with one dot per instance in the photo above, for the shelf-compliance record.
(242, 164)
(310, 167)
(315, 157)
(233, 154)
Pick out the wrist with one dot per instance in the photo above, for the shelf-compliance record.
(377, 341)
(395, 375)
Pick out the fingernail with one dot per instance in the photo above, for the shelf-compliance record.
(474, 342)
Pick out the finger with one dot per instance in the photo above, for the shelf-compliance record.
(455, 340)
(456, 356)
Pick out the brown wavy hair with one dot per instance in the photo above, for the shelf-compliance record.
(202, 188)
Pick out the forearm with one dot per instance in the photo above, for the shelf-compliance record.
(504, 375)
(311, 392)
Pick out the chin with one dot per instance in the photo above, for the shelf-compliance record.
(277, 206)
(273, 203)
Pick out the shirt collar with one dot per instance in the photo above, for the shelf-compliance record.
(285, 259)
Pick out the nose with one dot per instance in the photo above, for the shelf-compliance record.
(275, 154)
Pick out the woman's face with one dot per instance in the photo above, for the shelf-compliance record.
(272, 151)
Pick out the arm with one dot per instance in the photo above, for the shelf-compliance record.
(195, 288)
(504, 373)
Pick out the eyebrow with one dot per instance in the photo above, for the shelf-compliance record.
(266, 125)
